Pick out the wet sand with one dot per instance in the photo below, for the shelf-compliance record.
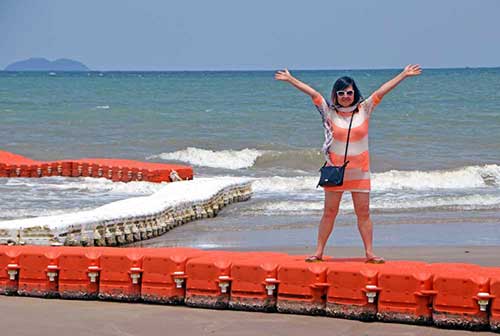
(31, 316)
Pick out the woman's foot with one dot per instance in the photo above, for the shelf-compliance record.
(374, 260)
(314, 258)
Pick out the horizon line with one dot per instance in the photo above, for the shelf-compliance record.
(260, 70)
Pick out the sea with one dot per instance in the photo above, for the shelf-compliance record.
(434, 146)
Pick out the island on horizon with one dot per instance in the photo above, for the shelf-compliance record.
(43, 64)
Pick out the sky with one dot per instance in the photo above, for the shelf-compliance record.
(252, 35)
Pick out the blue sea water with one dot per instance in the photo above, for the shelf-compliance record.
(434, 140)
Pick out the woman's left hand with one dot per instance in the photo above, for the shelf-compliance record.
(412, 70)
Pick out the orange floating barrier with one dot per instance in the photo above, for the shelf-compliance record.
(44, 169)
(79, 270)
(164, 274)
(9, 269)
(126, 175)
(35, 171)
(4, 170)
(14, 171)
(255, 281)
(121, 274)
(302, 287)
(76, 169)
(13, 165)
(209, 279)
(494, 273)
(353, 290)
(116, 174)
(24, 171)
(39, 271)
(54, 169)
(462, 296)
(67, 168)
(406, 292)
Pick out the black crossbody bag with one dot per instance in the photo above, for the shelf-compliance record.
(331, 176)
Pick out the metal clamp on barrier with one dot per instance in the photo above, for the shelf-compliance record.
(135, 274)
(371, 292)
(93, 273)
(270, 284)
(483, 299)
(52, 272)
(179, 278)
(224, 282)
(12, 271)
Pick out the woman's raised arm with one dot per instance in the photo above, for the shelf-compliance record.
(286, 76)
(409, 70)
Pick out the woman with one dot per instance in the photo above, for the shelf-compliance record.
(346, 101)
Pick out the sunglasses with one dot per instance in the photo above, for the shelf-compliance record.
(345, 93)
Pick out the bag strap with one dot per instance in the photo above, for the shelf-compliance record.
(347, 143)
(348, 134)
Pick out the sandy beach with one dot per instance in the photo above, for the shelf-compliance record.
(32, 316)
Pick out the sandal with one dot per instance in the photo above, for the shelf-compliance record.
(314, 258)
(375, 260)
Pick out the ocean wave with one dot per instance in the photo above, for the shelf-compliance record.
(85, 184)
(226, 159)
(246, 158)
(463, 178)
(384, 204)
(302, 159)
(102, 107)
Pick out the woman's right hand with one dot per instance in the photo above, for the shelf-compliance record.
(283, 75)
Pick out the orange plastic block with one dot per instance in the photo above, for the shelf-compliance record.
(209, 279)
(39, 271)
(4, 170)
(76, 169)
(126, 175)
(460, 288)
(353, 290)
(302, 287)
(164, 274)
(24, 171)
(67, 167)
(14, 170)
(121, 274)
(255, 281)
(494, 274)
(9, 269)
(406, 292)
(35, 171)
(79, 269)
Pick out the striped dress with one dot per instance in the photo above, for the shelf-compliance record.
(336, 124)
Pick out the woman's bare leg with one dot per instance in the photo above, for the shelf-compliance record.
(330, 211)
(361, 201)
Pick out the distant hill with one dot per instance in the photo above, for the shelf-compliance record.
(42, 64)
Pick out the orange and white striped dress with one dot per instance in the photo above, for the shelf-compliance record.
(336, 124)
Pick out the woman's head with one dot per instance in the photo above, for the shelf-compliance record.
(345, 93)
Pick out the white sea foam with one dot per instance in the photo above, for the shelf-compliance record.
(463, 202)
(278, 184)
(463, 178)
(470, 177)
(102, 107)
(227, 159)
(86, 184)
(467, 188)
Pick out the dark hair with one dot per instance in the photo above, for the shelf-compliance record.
(341, 84)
